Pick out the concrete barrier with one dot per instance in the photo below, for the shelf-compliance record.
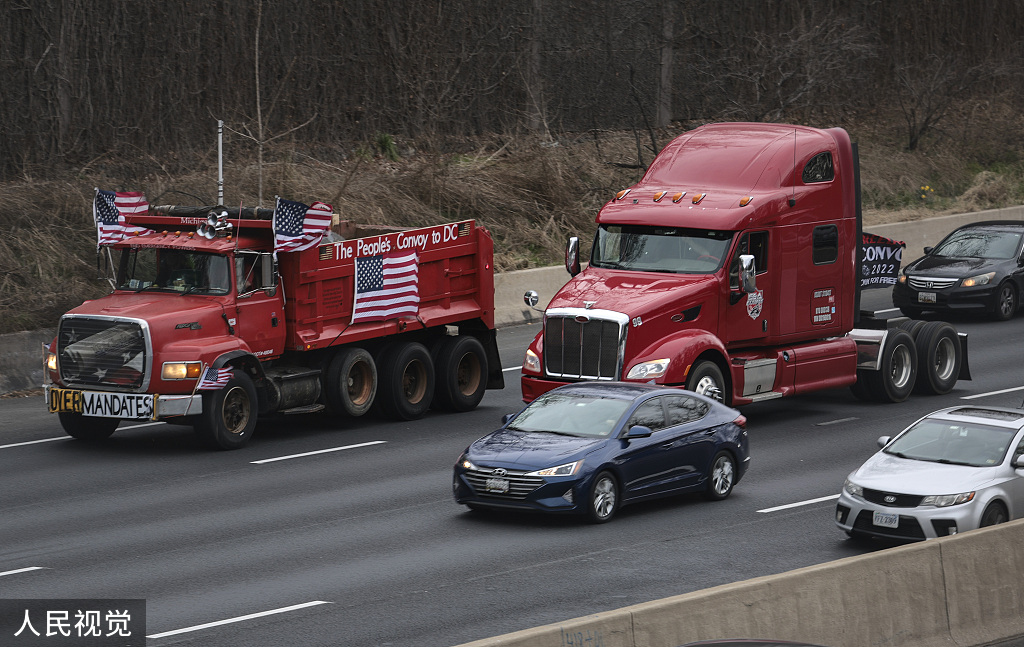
(20, 366)
(966, 590)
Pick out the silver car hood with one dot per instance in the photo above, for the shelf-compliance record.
(890, 473)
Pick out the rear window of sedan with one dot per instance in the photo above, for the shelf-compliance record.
(956, 443)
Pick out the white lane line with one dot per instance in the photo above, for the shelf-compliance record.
(24, 570)
(886, 311)
(513, 368)
(982, 395)
(797, 505)
(835, 422)
(319, 451)
(238, 619)
(34, 442)
(145, 424)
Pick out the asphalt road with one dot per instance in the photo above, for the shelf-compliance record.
(317, 534)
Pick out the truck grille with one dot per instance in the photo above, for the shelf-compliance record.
(584, 345)
(103, 352)
(519, 486)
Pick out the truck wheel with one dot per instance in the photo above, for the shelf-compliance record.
(894, 380)
(460, 369)
(913, 327)
(938, 358)
(87, 427)
(351, 382)
(706, 379)
(406, 384)
(229, 414)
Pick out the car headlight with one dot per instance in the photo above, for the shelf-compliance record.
(465, 463)
(981, 279)
(648, 370)
(531, 363)
(945, 500)
(902, 278)
(853, 489)
(562, 470)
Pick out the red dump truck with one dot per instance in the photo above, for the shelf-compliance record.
(211, 323)
(734, 268)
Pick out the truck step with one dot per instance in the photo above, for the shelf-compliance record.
(309, 408)
(768, 395)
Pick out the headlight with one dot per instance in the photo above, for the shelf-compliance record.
(562, 470)
(531, 363)
(945, 500)
(181, 370)
(902, 277)
(981, 279)
(648, 370)
(853, 489)
(51, 361)
(465, 463)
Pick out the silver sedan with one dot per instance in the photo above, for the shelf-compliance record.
(953, 470)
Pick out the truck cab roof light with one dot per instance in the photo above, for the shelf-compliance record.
(697, 198)
(744, 201)
(659, 195)
(679, 196)
(621, 194)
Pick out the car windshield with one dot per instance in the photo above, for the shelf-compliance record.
(957, 443)
(660, 249)
(173, 270)
(571, 414)
(976, 242)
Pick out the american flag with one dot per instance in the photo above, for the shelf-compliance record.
(214, 378)
(298, 227)
(387, 286)
(108, 211)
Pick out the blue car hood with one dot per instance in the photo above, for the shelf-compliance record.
(529, 450)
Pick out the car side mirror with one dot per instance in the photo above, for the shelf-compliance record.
(639, 431)
(884, 440)
(928, 250)
(572, 255)
(1018, 461)
(507, 418)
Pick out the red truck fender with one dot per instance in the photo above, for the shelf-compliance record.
(683, 350)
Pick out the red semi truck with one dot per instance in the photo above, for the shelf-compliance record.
(206, 325)
(734, 269)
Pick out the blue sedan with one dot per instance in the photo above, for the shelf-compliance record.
(589, 448)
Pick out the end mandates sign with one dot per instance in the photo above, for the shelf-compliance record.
(73, 623)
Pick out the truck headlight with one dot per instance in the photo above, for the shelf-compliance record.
(531, 363)
(181, 370)
(981, 279)
(648, 370)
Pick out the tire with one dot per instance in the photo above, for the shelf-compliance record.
(88, 428)
(1006, 302)
(897, 374)
(994, 513)
(460, 373)
(351, 383)
(229, 414)
(405, 386)
(721, 477)
(938, 358)
(913, 327)
(603, 500)
(706, 379)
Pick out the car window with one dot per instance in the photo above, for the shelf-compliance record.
(980, 243)
(959, 443)
(572, 415)
(649, 414)
(683, 409)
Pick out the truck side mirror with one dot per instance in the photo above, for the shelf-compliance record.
(572, 256)
(269, 275)
(748, 282)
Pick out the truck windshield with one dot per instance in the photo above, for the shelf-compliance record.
(173, 270)
(660, 249)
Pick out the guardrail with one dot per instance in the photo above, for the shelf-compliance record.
(965, 590)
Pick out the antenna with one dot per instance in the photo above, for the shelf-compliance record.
(220, 161)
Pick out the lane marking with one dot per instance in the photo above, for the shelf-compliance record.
(34, 442)
(319, 451)
(24, 570)
(801, 503)
(880, 312)
(982, 395)
(835, 422)
(145, 424)
(250, 616)
(514, 368)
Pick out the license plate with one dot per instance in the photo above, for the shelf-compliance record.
(886, 519)
(101, 404)
(496, 485)
(926, 297)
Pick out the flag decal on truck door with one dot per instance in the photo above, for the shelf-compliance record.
(387, 286)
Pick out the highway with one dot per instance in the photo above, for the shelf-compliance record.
(319, 533)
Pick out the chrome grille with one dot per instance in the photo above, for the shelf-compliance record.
(103, 352)
(584, 344)
(926, 283)
(519, 486)
(897, 500)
